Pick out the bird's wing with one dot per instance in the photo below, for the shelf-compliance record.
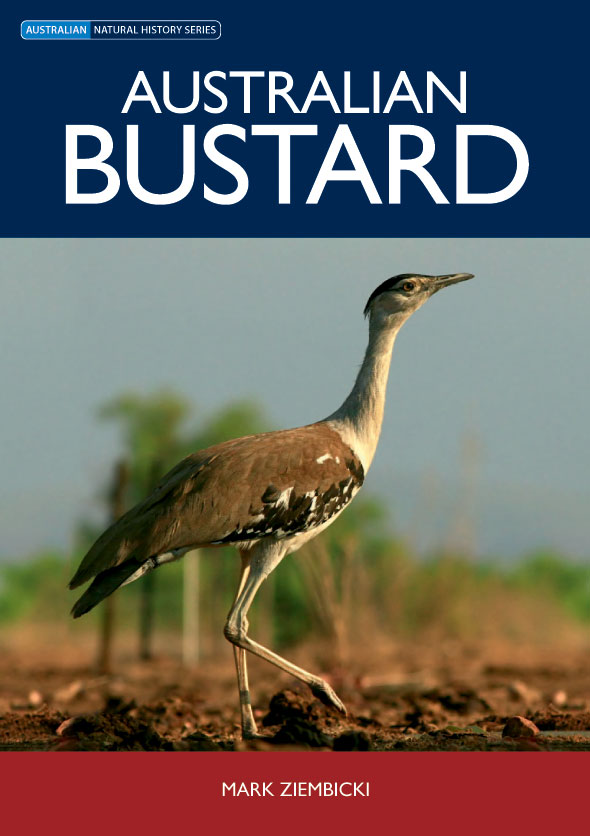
(273, 484)
(290, 484)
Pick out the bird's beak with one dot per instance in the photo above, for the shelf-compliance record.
(438, 282)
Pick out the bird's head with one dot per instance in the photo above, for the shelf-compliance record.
(397, 298)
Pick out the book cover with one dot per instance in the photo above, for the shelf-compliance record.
(200, 205)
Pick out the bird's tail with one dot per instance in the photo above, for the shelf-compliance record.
(102, 586)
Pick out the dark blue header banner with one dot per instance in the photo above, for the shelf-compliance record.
(433, 122)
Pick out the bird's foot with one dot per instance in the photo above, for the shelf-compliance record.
(248, 734)
(323, 692)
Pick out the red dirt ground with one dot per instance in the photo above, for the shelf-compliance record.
(444, 696)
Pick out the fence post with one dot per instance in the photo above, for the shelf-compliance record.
(107, 625)
(148, 587)
(190, 608)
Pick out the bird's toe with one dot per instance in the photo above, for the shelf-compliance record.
(323, 692)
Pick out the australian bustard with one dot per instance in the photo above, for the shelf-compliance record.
(266, 494)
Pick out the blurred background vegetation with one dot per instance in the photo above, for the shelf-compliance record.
(357, 588)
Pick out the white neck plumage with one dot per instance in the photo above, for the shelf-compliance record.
(359, 418)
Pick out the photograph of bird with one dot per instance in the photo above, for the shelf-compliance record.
(265, 494)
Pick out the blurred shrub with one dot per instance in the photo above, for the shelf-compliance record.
(563, 580)
(33, 589)
(352, 588)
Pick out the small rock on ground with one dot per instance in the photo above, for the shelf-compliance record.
(519, 727)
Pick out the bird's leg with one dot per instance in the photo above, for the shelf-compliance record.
(249, 730)
(263, 561)
(248, 722)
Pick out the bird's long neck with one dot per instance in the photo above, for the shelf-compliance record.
(359, 418)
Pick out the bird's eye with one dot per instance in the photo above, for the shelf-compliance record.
(409, 286)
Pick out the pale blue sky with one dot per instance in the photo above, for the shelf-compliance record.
(502, 359)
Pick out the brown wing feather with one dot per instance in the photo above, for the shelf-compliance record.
(240, 490)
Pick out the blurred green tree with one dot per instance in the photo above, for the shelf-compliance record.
(150, 427)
